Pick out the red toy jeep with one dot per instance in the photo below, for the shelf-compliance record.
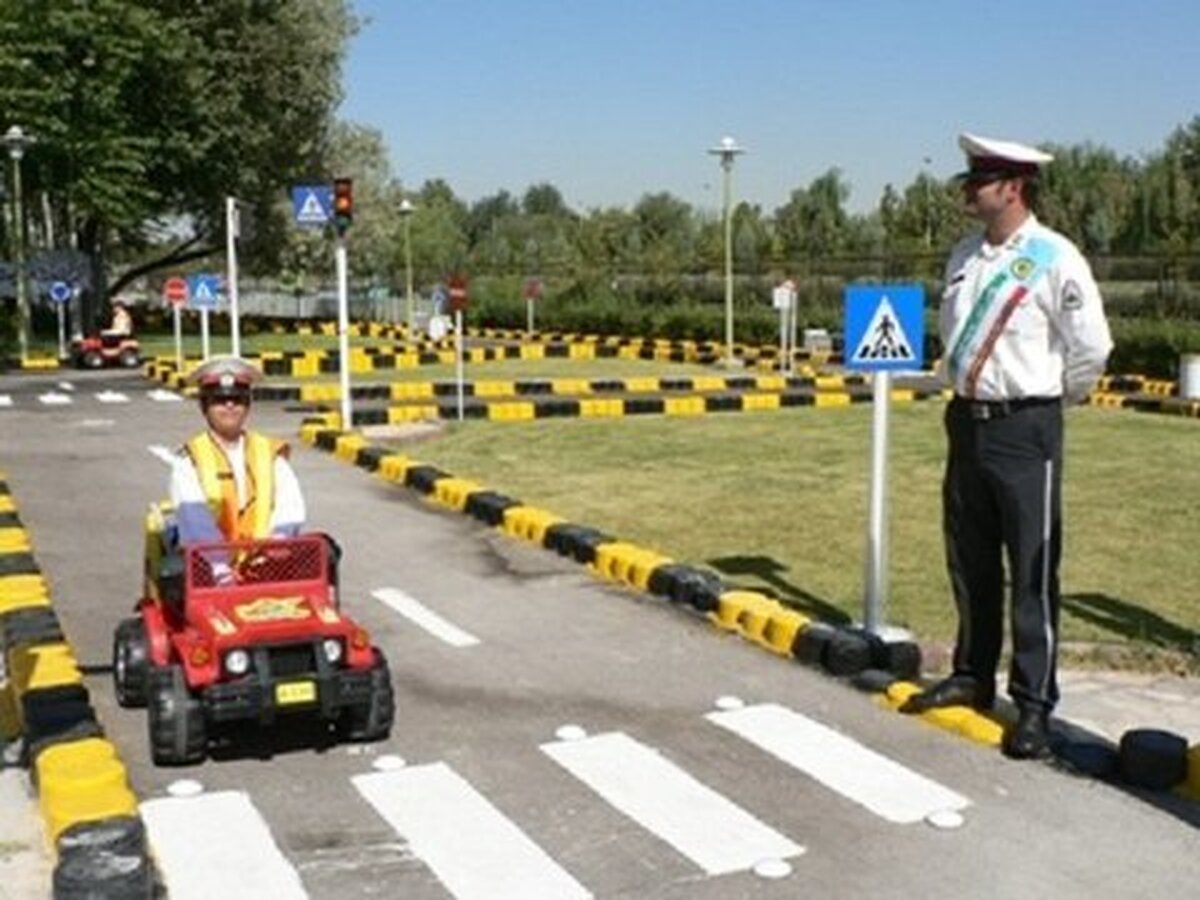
(106, 349)
(246, 631)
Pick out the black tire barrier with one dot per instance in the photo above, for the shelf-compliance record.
(19, 563)
(370, 416)
(422, 478)
(1089, 758)
(698, 589)
(488, 506)
(29, 627)
(103, 875)
(662, 580)
(327, 439)
(874, 681)
(4, 488)
(122, 835)
(585, 542)
(810, 643)
(48, 712)
(368, 457)
(901, 658)
(847, 652)
(10, 520)
(1153, 759)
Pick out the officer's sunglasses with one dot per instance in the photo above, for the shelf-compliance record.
(239, 399)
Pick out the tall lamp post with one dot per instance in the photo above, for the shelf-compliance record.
(16, 140)
(406, 210)
(727, 150)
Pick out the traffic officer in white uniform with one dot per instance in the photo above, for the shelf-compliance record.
(228, 483)
(1024, 333)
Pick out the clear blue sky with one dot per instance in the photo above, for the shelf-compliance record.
(612, 99)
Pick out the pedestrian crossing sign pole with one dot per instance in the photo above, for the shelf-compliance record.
(884, 332)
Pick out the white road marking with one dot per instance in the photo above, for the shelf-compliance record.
(53, 398)
(96, 423)
(112, 397)
(5, 400)
(716, 834)
(217, 845)
(426, 618)
(162, 453)
(164, 396)
(66, 386)
(882, 785)
(472, 848)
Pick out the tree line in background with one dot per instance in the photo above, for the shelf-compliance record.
(148, 116)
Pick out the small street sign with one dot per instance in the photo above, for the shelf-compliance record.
(60, 292)
(533, 289)
(312, 205)
(458, 293)
(175, 291)
(204, 290)
(784, 296)
(884, 327)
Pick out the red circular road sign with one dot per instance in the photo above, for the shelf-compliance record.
(175, 291)
(458, 293)
(533, 289)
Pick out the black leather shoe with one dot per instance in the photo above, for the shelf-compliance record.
(1030, 737)
(956, 690)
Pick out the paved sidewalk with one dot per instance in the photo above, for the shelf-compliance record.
(1110, 703)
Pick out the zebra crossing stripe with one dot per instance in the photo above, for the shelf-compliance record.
(112, 397)
(53, 398)
(217, 845)
(470, 846)
(421, 615)
(710, 830)
(882, 785)
(5, 400)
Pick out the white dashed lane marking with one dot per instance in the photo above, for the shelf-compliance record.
(424, 617)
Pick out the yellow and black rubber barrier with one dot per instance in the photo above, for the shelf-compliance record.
(1143, 394)
(1146, 758)
(89, 813)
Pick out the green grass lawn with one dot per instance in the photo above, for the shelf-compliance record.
(777, 501)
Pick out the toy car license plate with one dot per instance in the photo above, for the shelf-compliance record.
(291, 692)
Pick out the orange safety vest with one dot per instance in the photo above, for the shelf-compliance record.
(253, 520)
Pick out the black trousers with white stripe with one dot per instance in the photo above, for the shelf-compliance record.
(1002, 496)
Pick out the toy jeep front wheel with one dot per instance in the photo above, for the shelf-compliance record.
(177, 732)
(372, 721)
(129, 662)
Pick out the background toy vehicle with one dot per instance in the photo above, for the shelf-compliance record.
(248, 631)
(106, 349)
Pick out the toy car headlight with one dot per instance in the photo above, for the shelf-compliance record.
(237, 662)
(333, 649)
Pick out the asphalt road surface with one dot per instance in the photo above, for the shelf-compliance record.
(554, 737)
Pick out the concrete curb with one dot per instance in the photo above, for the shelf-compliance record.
(885, 669)
(89, 812)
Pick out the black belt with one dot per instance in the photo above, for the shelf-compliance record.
(983, 410)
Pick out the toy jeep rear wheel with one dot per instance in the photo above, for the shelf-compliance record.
(177, 727)
(130, 660)
(92, 360)
(372, 721)
(128, 359)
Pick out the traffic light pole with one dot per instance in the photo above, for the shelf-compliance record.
(343, 296)
(231, 235)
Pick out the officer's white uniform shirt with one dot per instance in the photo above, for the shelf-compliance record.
(195, 520)
(1057, 340)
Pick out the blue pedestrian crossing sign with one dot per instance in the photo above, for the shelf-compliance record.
(884, 327)
(60, 292)
(203, 291)
(312, 205)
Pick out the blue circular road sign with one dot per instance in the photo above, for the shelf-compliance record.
(60, 292)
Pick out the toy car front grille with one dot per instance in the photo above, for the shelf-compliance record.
(295, 659)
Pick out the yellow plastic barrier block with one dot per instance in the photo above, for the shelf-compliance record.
(418, 413)
(453, 492)
(14, 540)
(42, 666)
(570, 386)
(770, 382)
(981, 729)
(533, 351)
(6, 503)
(495, 389)
(760, 401)
(831, 383)
(582, 351)
(31, 596)
(596, 409)
(348, 445)
(643, 566)
(528, 522)
(642, 385)
(684, 406)
(320, 393)
(82, 781)
(10, 719)
(902, 395)
(898, 692)
(733, 606)
(1106, 400)
(831, 400)
(708, 383)
(628, 352)
(516, 411)
(411, 390)
(781, 630)
(446, 356)
(394, 467)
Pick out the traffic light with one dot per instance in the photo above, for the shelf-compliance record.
(343, 204)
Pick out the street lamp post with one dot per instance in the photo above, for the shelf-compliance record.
(17, 141)
(406, 211)
(727, 150)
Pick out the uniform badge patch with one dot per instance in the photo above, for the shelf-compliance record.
(1072, 297)
(1023, 267)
